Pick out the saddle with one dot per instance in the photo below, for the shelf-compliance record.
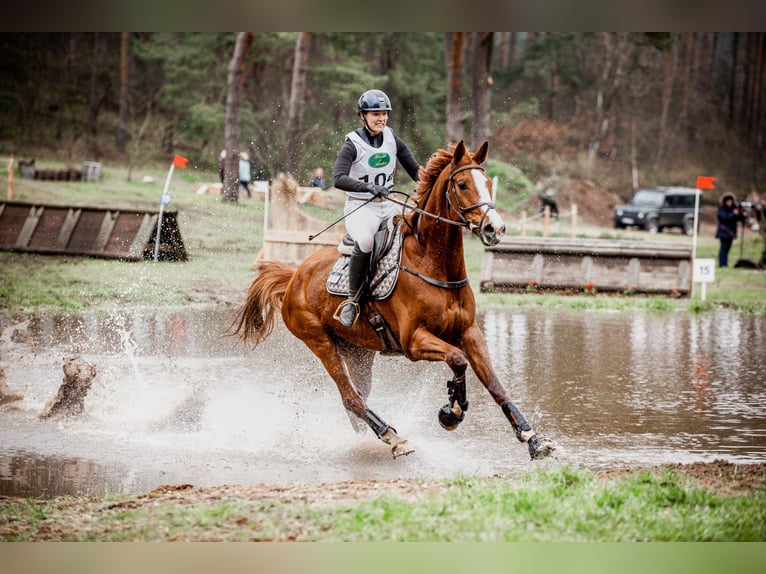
(384, 271)
(384, 263)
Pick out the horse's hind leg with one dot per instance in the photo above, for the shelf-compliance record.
(359, 364)
(354, 399)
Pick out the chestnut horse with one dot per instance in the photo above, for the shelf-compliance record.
(431, 312)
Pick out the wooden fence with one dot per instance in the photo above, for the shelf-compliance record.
(601, 264)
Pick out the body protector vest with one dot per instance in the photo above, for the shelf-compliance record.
(373, 165)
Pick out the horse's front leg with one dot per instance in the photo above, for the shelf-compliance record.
(425, 346)
(475, 347)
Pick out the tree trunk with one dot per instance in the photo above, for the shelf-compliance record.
(297, 99)
(94, 101)
(603, 95)
(481, 80)
(122, 128)
(235, 79)
(667, 98)
(554, 84)
(453, 51)
(65, 72)
(733, 79)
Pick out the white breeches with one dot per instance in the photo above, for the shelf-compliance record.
(363, 223)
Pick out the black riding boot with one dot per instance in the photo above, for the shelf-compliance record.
(348, 310)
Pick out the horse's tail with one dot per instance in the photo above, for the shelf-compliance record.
(255, 319)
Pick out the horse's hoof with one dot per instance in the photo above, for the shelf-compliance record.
(401, 449)
(448, 419)
(540, 446)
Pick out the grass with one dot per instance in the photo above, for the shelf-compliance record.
(564, 504)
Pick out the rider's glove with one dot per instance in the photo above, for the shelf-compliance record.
(377, 190)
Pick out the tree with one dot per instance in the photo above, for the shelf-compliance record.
(231, 131)
(453, 51)
(297, 100)
(481, 81)
(122, 132)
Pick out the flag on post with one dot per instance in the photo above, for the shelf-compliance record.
(180, 161)
(704, 182)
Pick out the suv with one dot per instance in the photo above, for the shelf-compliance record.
(657, 208)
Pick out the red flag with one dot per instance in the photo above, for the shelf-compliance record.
(704, 182)
(180, 161)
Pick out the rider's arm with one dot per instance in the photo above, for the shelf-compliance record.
(342, 167)
(405, 157)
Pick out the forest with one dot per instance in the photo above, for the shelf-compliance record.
(620, 109)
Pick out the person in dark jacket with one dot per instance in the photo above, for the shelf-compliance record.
(729, 217)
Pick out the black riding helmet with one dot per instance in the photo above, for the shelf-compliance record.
(374, 100)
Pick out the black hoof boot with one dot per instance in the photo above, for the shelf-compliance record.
(448, 419)
(540, 446)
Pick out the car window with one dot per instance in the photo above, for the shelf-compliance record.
(648, 197)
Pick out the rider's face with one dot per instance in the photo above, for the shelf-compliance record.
(376, 121)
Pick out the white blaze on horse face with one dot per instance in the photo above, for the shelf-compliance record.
(482, 184)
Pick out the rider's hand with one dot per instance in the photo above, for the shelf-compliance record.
(377, 190)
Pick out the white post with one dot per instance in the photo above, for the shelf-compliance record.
(163, 200)
(694, 234)
(266, 250)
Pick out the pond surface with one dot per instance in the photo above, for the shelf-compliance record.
(175, 401)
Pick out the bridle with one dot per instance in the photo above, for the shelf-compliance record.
(457, 207)
(452, 196)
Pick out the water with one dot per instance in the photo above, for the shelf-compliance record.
(176, 401)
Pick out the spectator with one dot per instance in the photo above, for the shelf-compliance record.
(222, 165)
(317, 180)
(728, 217)
(244, 172)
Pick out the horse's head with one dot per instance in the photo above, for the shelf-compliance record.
(469, 193)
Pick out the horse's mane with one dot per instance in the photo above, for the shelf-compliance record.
(427, 175)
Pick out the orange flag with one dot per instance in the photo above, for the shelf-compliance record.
(704, 182)
(180, 161)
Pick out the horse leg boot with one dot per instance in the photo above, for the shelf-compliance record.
(348, 311)
(539, 445)
(452, 414)
(387, 433)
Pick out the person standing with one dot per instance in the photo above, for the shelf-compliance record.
(317, 179)
(244, 172)
(728, 216)
(365, 169)
(222, 165)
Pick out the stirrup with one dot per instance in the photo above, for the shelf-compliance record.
(340, 309)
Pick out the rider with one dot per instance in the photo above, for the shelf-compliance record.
(365, 170)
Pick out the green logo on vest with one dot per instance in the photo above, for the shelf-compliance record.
(378, 160)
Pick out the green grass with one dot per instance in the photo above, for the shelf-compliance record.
(564, 504)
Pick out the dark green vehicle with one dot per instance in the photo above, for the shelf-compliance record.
(657, 208)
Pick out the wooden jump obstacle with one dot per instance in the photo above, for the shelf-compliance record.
(127, 234)
(604, 265)
(286, 234)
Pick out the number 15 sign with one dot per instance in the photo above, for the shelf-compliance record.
(704, 271)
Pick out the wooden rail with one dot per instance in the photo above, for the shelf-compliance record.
(97, 232)
(601, 264)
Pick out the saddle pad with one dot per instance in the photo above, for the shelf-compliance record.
(384, 279)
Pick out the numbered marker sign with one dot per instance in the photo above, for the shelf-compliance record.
(704, 271)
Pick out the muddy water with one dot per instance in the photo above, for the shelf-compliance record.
(175, 401)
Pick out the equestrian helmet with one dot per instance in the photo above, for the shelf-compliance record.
(374, 100)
